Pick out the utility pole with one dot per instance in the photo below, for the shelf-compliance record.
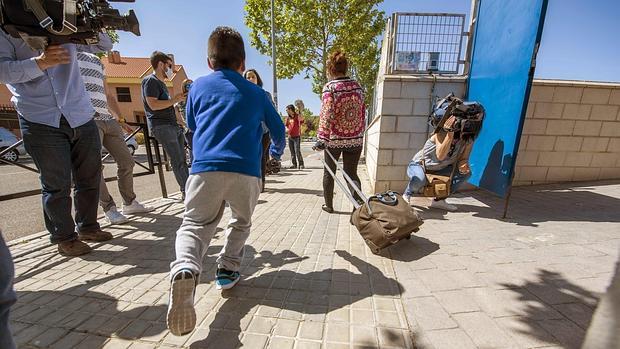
(273, 54)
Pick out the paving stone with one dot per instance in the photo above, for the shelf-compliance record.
(48, 337)
(483, 331)
(526, 332)
(281, 343)
(428, 313)
(254, 341)
(391, 337)
(261, 325)
(450, 339)
(286, 328)
(70, 340)
(567, 333)
(364, 335)
(457, 301)
(301, 344)
(311, 330)
(576, 312)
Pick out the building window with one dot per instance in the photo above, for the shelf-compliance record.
(123, 94)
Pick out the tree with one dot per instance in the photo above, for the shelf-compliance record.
(307, 31)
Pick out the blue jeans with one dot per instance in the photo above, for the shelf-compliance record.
(417, 178)
(7, 295)
(61, 154)
(172, 140)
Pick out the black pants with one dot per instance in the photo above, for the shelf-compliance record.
(294, 145)
(266, 142)
(350, 159)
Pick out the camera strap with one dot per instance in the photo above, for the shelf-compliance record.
(45, 21)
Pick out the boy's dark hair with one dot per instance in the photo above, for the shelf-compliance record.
(226, 48)
(259, 81)
(158, 56)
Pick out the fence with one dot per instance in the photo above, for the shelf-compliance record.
(153, 156)
(423, 43)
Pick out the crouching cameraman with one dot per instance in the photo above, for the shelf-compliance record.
(56, 118)
(445, 149)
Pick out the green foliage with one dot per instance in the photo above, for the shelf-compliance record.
(308, 30)
(113, 36)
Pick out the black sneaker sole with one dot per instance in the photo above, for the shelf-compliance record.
(181, 317)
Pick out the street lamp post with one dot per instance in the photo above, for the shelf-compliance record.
(273, 55)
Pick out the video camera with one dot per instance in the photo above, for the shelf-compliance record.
(50, 22)
(468, 117)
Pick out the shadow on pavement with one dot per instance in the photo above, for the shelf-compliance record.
(555, 311)
(313, 293)
(295, 191)
(530, 206)
(410, 250)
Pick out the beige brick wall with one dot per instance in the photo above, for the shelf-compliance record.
(571, 133)
(400, 128)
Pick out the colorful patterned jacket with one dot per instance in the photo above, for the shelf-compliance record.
(342, 118)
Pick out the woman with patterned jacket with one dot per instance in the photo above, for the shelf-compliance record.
(341, 125)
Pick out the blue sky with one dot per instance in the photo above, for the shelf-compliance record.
(579, 39)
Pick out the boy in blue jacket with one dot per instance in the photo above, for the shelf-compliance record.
(225, 112)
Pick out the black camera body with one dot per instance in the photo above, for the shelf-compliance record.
(49, 22)
(468, 117)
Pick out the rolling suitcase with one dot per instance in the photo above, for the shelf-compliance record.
(383, 219)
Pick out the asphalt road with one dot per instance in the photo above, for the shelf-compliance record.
(22, 217)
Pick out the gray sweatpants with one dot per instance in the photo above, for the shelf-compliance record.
(206, 197)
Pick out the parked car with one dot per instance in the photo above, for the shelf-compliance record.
(132, 144)
(7, 139)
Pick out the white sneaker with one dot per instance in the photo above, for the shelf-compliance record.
(136, 207)
(114, 217)
(407, 198)
(443, 205)
(181, 316)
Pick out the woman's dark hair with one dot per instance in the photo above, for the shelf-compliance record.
(259, 81)
(158, 56)
(290, 107)
(226, 48)
(337, 63)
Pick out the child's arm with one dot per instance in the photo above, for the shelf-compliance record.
(276, 130)
(189, 113)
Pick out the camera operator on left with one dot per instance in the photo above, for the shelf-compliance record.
(56, 119)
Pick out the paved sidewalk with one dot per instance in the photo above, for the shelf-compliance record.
(468, 280)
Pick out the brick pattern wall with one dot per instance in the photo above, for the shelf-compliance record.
(571, 133)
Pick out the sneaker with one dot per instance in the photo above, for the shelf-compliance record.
(443, 205)
(95, 236)
(114, 217)
(181, 316)
(73, 248)
(301, 167)
(136, 207)
(293, 167)
(407, 198)
(225, 279)
(327, 209)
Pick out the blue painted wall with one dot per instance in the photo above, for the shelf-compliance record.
(506, 37)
